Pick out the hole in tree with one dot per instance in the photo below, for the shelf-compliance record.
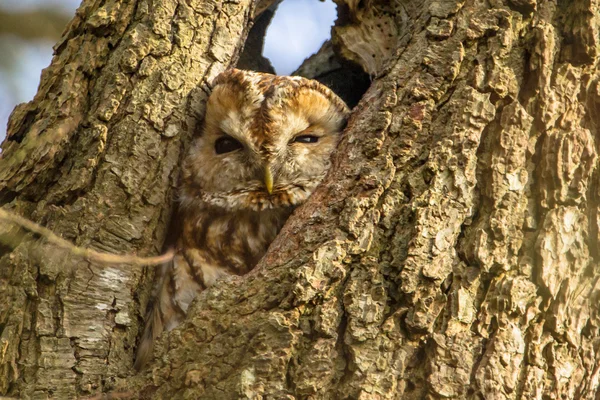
(298, 30)
(294, 39)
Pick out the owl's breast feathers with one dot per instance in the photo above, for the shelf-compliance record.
(213, 244)
(233, 241)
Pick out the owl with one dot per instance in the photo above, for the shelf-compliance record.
(264, 146)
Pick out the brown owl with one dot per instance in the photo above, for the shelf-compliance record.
(264, 147)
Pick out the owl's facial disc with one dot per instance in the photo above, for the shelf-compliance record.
(265, 143)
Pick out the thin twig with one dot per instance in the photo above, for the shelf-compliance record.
(88, 254)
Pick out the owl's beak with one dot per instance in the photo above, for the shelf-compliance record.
(269, 179)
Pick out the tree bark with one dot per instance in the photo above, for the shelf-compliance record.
(450, 253)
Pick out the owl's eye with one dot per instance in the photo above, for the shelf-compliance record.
(226, 144)
(306, 139)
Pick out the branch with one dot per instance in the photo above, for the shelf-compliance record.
(88, 254)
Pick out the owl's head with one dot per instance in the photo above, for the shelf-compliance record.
(265, 143)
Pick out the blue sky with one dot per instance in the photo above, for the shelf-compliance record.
(297, 31)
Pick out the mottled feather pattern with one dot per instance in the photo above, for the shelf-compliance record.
(264, 146)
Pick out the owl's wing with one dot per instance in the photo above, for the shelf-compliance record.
(174, 292)
(153, 328)
(179, 282)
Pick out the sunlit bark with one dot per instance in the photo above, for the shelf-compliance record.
(450, 253)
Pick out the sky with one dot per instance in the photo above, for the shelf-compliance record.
(298, 30)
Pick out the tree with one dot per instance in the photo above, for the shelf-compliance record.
(450, 253)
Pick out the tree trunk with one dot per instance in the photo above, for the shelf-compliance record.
(450, 253)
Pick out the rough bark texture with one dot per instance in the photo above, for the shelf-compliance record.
(450, 253)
